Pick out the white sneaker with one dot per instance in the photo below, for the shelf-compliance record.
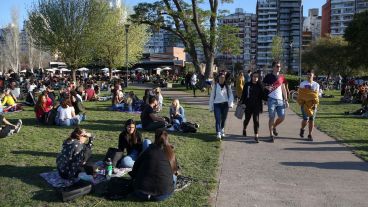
(18, 126)
(218, 135)
(171, 129)
(223, 133)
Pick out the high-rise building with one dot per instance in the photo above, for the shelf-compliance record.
(306, 39)
(312, 23)
(246, 22)
(326, 19)
(342, 12)
(267, 15)
(290, 29)
(361, 5)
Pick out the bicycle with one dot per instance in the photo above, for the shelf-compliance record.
(293, 94)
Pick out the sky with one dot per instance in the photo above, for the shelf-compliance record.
(22, 6)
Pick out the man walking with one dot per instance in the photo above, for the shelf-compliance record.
(308, 100)
(275, 83)
(193, 82)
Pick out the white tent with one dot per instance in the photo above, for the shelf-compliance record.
(51, 69)
(167, 68)
(139, 69)
(23, 71)
(83, 69)
(64, 70)
(105, 69)
(116, 71)
(157, 69)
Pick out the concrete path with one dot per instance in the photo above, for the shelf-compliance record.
(289, 172)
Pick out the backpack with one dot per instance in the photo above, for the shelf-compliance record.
(50, 118)
(188, 127)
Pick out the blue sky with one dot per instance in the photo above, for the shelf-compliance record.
(248, 6)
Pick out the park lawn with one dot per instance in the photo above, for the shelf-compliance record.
(348, 129)
(33, 151)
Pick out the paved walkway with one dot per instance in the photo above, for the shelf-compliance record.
(289, 172)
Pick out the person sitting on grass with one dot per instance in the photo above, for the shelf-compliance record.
(117, 100)
(75, 153)
(9, 102)
(177, 115)
(7, 128)
(66, 114)
(79, 108)
(42, 108)
(131, 140)
(90, 93)
(160, 99)
(155, 171)
(150, 120)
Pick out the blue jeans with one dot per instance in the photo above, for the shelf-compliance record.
(82, 117)
(67, 122)
(147, 197)
(276, 106)
(177, 122)
(116, 107)
(128, 161)
(220, 110)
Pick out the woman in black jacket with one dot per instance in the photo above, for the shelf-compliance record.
(154, 172)
(131, 140)
(252, 100)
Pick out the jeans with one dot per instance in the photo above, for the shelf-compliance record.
(220, 110)
(82, 117)
(128, 161)
(148, 197)
(117, 107)
(248, 114)
(68, 122)
(5, 131)
(276, 106)
(177, 122)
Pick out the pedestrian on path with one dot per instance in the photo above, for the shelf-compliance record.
(193, 82)
(221, 100)
(239, 83)
(275, 83)
(308, 100)
(252, 101)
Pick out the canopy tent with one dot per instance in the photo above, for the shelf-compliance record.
(105, 69)
(157, 69)
(167, 68)
(116, 71)
(64, 70)
(83, 69)
(139, 69)
(51, 69)
(23, 71)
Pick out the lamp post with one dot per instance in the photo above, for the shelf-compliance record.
(290, 55)
(126, 52)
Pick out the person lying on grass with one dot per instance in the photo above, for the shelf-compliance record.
(75, 153)
(9, 102)
(7, 128)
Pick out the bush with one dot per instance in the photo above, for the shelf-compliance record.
(293, 81)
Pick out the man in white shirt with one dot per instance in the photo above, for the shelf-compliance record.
(309, 86)
(193, 82)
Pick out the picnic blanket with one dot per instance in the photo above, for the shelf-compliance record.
(54, 179)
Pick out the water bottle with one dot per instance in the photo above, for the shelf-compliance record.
(108, 168)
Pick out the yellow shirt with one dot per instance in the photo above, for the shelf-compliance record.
(8, 100)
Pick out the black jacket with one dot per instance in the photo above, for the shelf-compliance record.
(252, 96)
(124, 144)
(152, 173)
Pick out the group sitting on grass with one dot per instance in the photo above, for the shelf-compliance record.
(154, 165)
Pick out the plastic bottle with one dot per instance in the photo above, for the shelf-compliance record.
(108, 168)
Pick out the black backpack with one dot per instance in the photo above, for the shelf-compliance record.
(188, 127)
(50, 118)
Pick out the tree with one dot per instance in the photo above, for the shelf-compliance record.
(191, 24)
(63, 26)
(110, 40)
(10, 49)
(228, 40)
(276, 48)
(328, 55)
(357, 35)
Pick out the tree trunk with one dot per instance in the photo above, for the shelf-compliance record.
(74, 70)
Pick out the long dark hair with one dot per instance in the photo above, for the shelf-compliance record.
(39, 104)
(75, 134)
(162, 140)
(133, 138)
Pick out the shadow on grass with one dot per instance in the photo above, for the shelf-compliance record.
(31, 176)
(362, 166)
(35, 153)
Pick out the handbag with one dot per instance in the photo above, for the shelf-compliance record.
(239, 111)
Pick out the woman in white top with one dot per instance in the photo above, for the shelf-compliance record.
(160, 98)
(221, 100)
(66, 114)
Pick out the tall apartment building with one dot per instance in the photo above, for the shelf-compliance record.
(342, 12)
(290, 29)
(246, 22)
(326, 19)
(312, 23)
(361, 5)
(267, 15)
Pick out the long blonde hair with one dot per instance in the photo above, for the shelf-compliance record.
(177, 104)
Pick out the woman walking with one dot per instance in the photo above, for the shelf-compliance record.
(252, 100)
(220, 101)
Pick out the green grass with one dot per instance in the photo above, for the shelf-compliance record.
(347, 129)
(33, 151)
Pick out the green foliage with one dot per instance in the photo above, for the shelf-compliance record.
(276, 48)
(293, 81)
(328, 55)
(357, 35)
(61, 26)
(110, 40)
(228, 40)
